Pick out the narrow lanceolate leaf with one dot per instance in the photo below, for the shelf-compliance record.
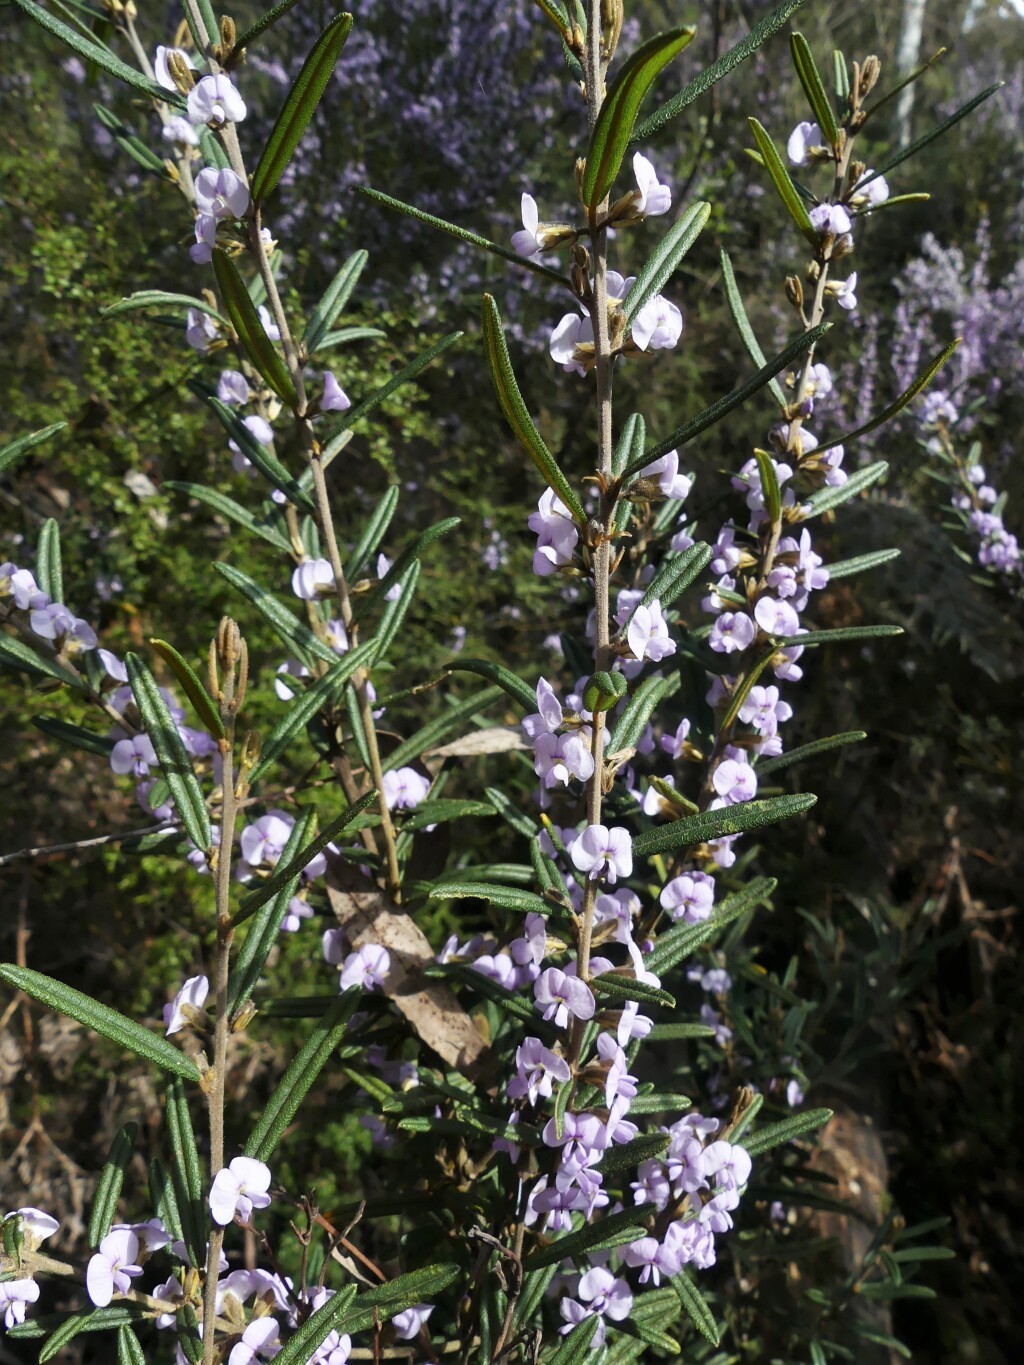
(299, 107)
(398, 568)
(86, 1320)
(97, 52)
(49, 569)
(617, 116)
(15, 653)
(713, 824)
(739, 316)
(75, 735)
(510, 682)
(330, 1317)
(24, 444)
(765, 376)
(516, 413)
(437, 730)
(403, 376)
(324, 691)
(246, 322)
(505, 897)
(373, 533)
(295, 633)
(129, 1348)
(171, 753)
(385, 1300)
(344, 336)
(261, 457)
(775, 1134)
(821, 105)
(303, 1070)
(263, 22)
(395, 611)
(931, 135)
(826, 498)
(695, 1307)
(907, 396)
(191, 686)
(665, 258)
(612, 1231)
(770, 484)
(712, 74)
(464, 235)
(336, 295)
(159, 298)
(683, 940)
(639, 709)
(574, 1347)
(234, 511)
(627, 988)
(510, 1002)
(164, 1200)
(129, 143)
(186, 1173)
(781, 179)
(841, 633)
(108, 1188)
(628, 455)
(811, 750)
(843, 568)
(840, 76)
(629, 1155)
(101, 1018)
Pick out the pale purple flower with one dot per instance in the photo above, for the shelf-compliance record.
(794, 1094)
(658, 325)
(651, 197)
(674, 744)
(600, 851)
(264, 840)
(366, 967)
(537, 1071)
(291, 668)
(405, 788)
(652, 1258)
(215, 100)
(560, 996)
(872, 194)
(556, 531)
(113, 1267)
(135, 755)
(55, 622)
(803, 137)
(335, 398)
(193, 994)
(180, 130)
(600, 1293)
(647, 633)
(200, 330)
(632, 1024)
(666, 471)
(257, 1343)
(36, 1225)
(732, 632)
(689, 897)
(534, 236)
(221, 193)
(830, 219)
(409, 1323)
(548, 716)
(764, 710)
(734, 781)
(267, 322)
(21, 585)
(312, 579)
(15, 1295)
(776, 618)
(239, 1188)
(335, 1348)
(233, 388)
(559, 758)
(844, 292)
(568, 337)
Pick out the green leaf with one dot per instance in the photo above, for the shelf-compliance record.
(770, 485)
(673, 1033)
(129, 143)
(331, 1316)
(108, 1187)
(712, 824)
(191, 686)
(373, 533)
(15, 653)
(508, 681)
(159, 298)
(261, 457)
(246, 322)
(86, 1320)
(639, 709)
(930, 136)
(712, 74)
(100, 1018)
(827, 498)
(164, 1200)
(24, 444)
(263, 22)
(345, 335)
(361, 410)
(99, 53)
(299, 107)
(695, 1307)
(781, 179)
(336, 295)
(303, 1070)
(464, 235)
(186, 1172)
(739, 316)
(815, 747)
(439, 812)
(518, 417)
(683, 940)
(213, 153)
(629, 1155)
(723, 406)
(665, 258)
(401, 564)
(574, 1347)
(394, 611)
(405, 1291)
(821, 106)
(611, 1231)
(777, 1133)
(171, 753)
(827, 637)
(615, 120)
(652, 1103)
(843, 568)
(234, 511)
(907, 396)
(187, 1327)
(432, 734)
(74, 735)
(295, 633)
(509, 1001)
(129, 1348)
(504, 897)
(627, 988)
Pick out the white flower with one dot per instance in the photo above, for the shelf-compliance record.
(221, 193)
(215, 101)
(527, 242)
(239, 1188)
(658, 325)
(193, 994)
(803, 137)
(652, 198)
(670, 481)
(113, 1267)
(567, 340)
(160, 71)
(844, 292)
(335, 398)
(312, 579)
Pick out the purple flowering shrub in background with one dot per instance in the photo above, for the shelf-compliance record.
(536, 1194)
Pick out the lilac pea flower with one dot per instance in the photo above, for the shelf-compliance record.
(734, 781)
(298, 910)
(366, 967)
(113, 666)
(537, 1071)
(561, 996)
(201, 251)
(556, 532)
(314, 578)
(267, 322)
(333, 946)
(335, 398)
(233, 388)
(405, 788)
(257, 1343)
(22, 586)
(548, 716)
(497, 967)
(291, 668)
(409, 1323)
(794, 1094)
(601, 1294)
(558, 758)
(658, 325)
(179, 130)
(113, 1267)
(15, 1296)
(200, 330)
(647, 633)
(652, 1258)
(803, 137)
(572, 343)
(532, 946)
(666, 471)
(618, 1083)
(383, 566)
(776, 618)
(689, 897)
(732, 632)
(193, 996)
(729, 1162)
(55, 622)
(530, 241)
(221, 193)
(764, 710)
(652, 1185)
(239, 1188)
(830, 220)
(632, 1024)
(36, 1225)
(651, 197)
(135, 755)
(871, 195)
(713, 1020)
(600, 851)
(264, 840)
(257, 427)
(819, 378)
(684, 1163)
(152, 1234)
(214, 100)
(844, 292)
(674, 744)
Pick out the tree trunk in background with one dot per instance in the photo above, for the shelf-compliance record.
(908, 53)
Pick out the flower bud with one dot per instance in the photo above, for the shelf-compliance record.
(869, 74)
(603, 690)
(14, 1237)
(227, 32)
(180, 72)
(243, 1018)
(794, 291)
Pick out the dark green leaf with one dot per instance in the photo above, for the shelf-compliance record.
(191, 686)
(439, 812)
(516, 688)
(629, 1155)
(770, 485)
(682, 940)
(101, 1018)
(827, 498)
(295, 633)
(574, 1348)
(739, 316)
(108, 1187)
(777, 1133)
(129, 1349)
(24, 444)
(432, 734)
(129, 143)
(86, 1320)
(232, 510)
(164, 1200)
(781, 179)
(263, 22)
(385, 1300)
(337, 294)
(653, 1103)
(159, 298)
(843, 568)
(695, 1307)
(344, 336)
(639, 709)
(821, 106)
(361, 410)
(518, 417)
(373, 533)
(262, 458)
(171, 753)
(615, 120)
(627, 988)
(251, 335)
(299, 107)
(907, 396)
(186, 1172)
(713, 824)
(816, 746)
(665, 258)
(504, 897)
(712, 74)
(329, 1317)
(74, 735)
(839, 633)
(610, 1231)
(394, 611)
(401, 564)
(932, 134)
(15, 653)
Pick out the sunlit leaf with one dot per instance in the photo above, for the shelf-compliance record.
(171, 753)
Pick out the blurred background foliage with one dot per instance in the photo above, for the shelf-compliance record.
(896, 919)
